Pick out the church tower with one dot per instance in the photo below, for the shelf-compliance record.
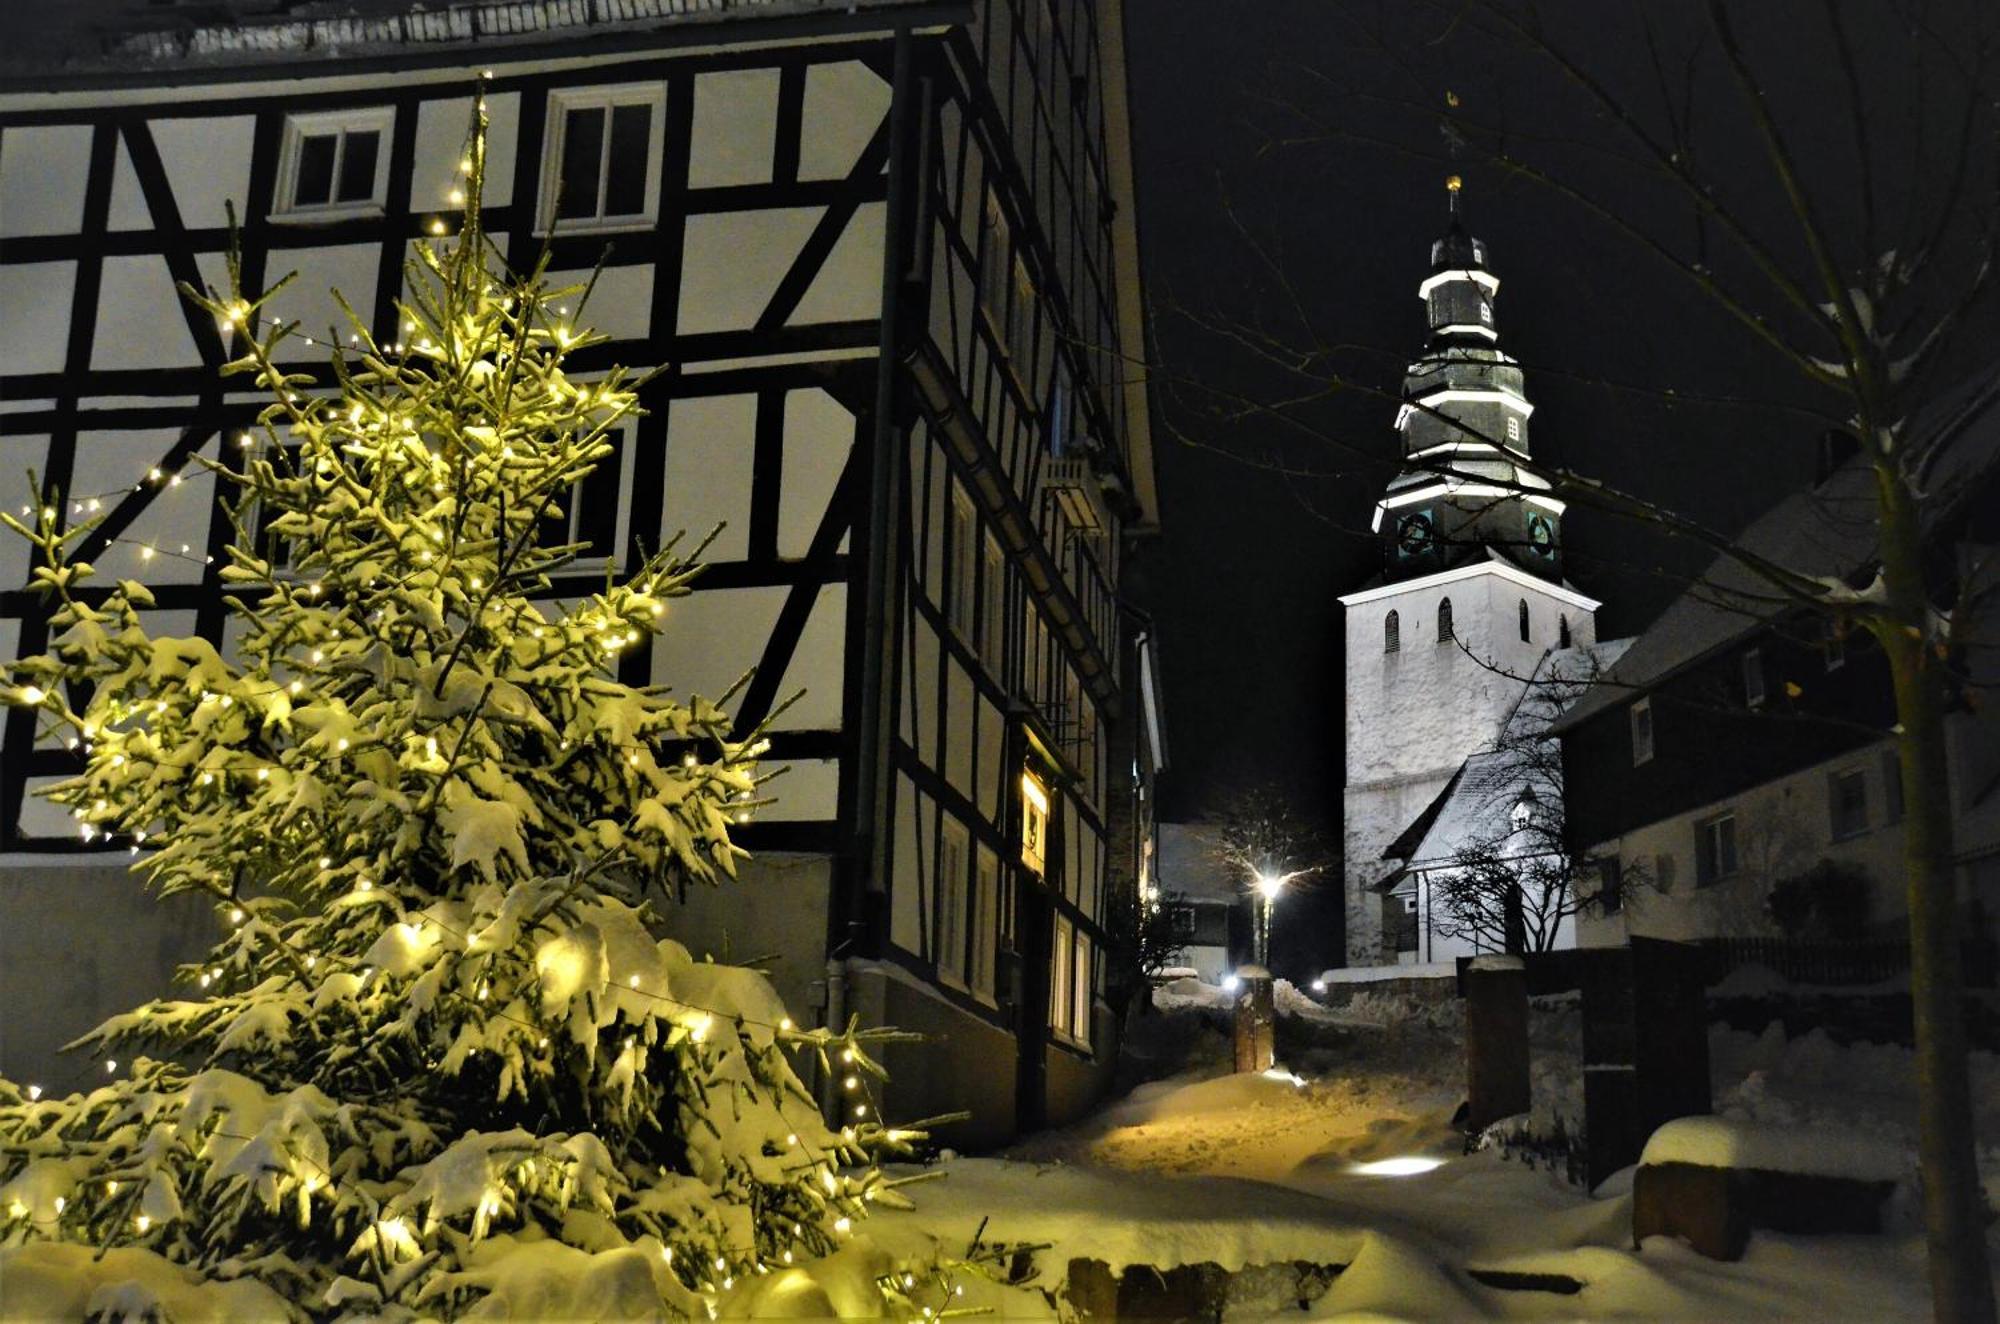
(1471, 594)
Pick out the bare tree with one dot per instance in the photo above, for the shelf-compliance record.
(1264, 841)
(1823, 177)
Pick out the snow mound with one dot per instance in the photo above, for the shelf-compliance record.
(49, 1280)
(1717, 1142)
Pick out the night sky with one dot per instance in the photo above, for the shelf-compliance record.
(1245, 578)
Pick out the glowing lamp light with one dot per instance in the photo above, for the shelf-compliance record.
(1230, 983)
(1269, 885)
(1409, 1165)
(1319, 986)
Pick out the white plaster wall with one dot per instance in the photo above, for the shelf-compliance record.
(1782, 828)
(808, 791)
(735, 127)
(819, 433)
(34, 335)
(442, 126)
(844, 105)
(108, 465)
(43, 170)
(817, 666)
(711, 454)
(308, 300)
(1415, 714)
(776, 908)
(733, 261)
(620, 303)
(712, 637)
(848, 287)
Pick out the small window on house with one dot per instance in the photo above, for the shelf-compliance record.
(1525, 637)
(1062, 988)
(1714, 849)
(985, 936)
(601, 168)
(1034, 823)
(1444, 622)
(1562, 632)
(1059, 413)
(963, 573)
(586, 516)
(996, 245)
(333, 165)
(1486, 311)
(1664, 869)
(1081, 988)
(951, 904)
(1892, 786)
(993, 612)
(1610, 885)
(1392, 633)
(1753, 678)
(1641, 716)
(1513, 428)
(1847, 801)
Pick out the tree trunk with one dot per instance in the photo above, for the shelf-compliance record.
(1954, 1209)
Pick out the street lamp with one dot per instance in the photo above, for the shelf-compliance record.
(1268, 887)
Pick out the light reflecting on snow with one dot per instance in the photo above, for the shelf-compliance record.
(1410, 1165)
(1279, 1073)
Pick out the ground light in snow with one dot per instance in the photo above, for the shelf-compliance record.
(1279, 1073)
(1409, 1165)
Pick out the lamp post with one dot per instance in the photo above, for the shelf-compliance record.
(1268, 887)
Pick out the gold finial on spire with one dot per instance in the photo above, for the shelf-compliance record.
(1453, 183)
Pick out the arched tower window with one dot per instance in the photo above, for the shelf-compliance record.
(1562, 631)
(1444, 621)
(1392, 633)
(1525, 638)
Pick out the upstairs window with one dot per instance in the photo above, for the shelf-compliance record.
(1714, 849)
(952, 916)
(1641, 717)
(993, 610)
(333, 165)
(1445, 635)
(1525, 635)
(1392, 633)
(1847, 802)
(1034, 823)
(1753, 678)
(1562, 632)
(602, 168)
(963, 572)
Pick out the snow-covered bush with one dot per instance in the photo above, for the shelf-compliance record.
(440, 1051)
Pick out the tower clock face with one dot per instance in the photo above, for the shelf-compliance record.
(1541, 535)
(1413, 535)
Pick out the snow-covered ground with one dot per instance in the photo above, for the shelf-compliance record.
(1348, 1157)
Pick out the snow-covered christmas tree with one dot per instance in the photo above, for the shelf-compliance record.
(440, 1052)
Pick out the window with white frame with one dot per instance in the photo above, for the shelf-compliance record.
(601, 168)
(1079, 999)
(1714, 849)
(334, 164)
(1062, 986)
(964, 568)
(953, 851)
(1641, 717)
(993, 610)
(985, 927)
(1753, 678)
(586, 516)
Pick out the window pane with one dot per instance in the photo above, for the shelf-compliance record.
(582, 150)
(315, 179)
(357, 166)
(625, 186)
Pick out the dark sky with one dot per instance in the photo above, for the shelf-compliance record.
(1244, 580)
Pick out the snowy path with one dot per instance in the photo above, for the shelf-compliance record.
(1246, 1171)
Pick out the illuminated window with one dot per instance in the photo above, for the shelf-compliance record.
(333, 165)
(1034, 823)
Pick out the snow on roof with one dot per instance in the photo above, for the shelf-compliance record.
(1827, 531)
(103, 36)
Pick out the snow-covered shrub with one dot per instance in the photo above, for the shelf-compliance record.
(440, 1051)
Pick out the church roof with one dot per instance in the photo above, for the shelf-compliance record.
(1827, 531)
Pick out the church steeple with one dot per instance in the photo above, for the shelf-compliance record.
(1462, 494)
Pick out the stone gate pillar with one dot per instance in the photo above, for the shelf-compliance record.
(1256, 1020)
(1496, 1040)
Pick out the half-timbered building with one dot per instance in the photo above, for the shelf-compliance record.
(885, 249)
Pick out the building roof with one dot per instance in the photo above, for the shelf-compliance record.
(82, 40)
(1827, 531)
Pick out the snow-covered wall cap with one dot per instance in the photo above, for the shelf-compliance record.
(1486, 965)
(1817, 1151)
